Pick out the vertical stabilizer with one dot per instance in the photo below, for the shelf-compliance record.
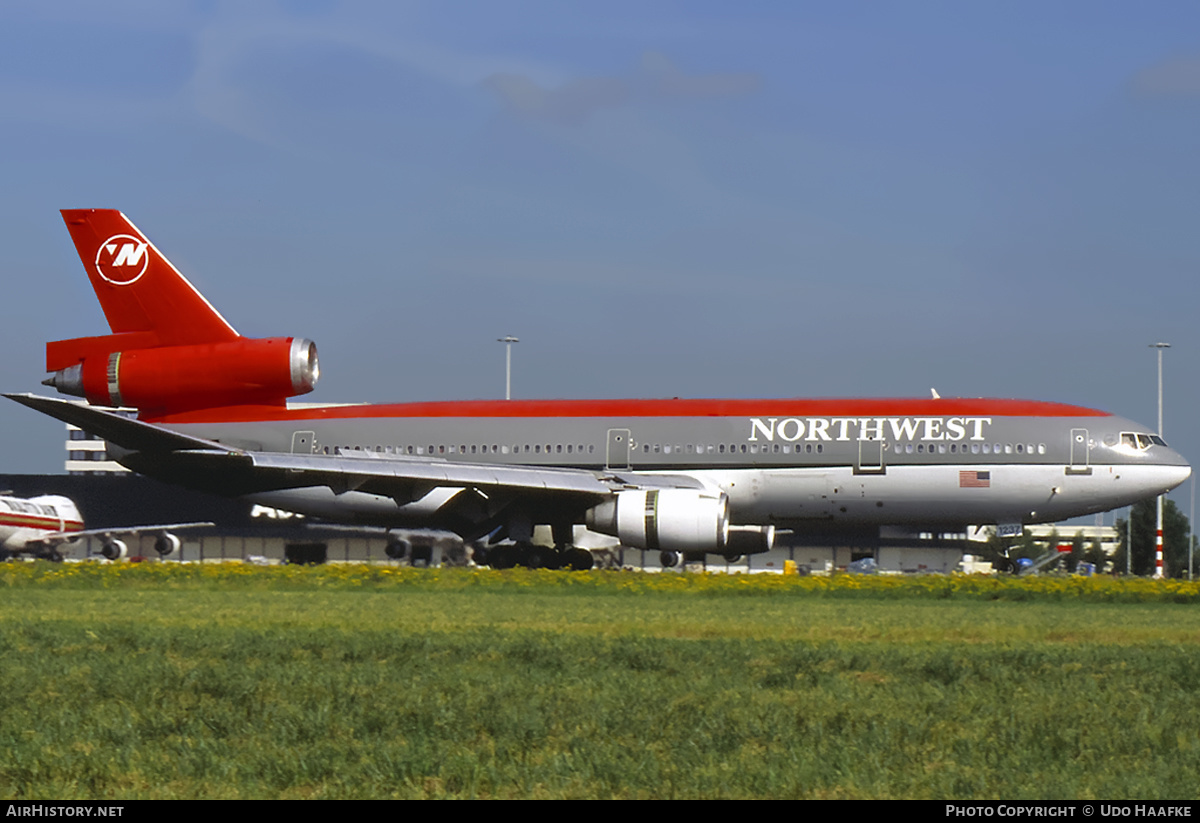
(138, 288)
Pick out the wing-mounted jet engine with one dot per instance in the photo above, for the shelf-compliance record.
(683, 520)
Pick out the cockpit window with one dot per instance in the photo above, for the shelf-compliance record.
(1140, 440)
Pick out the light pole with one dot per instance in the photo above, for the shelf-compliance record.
(1158, 533)
(1129, 543)
(508, 340)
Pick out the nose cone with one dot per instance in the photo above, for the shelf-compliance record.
(1173, 474)
(1165, 470)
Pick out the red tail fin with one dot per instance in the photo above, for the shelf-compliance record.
(170, 351)
(139, 290)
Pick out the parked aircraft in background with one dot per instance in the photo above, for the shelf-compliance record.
(39, 526)
(676, 476)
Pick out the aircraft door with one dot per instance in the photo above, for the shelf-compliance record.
(617, 451)
(303, 442)
(870, 458)
(1079, 452)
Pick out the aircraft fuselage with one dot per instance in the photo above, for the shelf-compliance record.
(933, 463)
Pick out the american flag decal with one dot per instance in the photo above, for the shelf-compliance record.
(974, 480)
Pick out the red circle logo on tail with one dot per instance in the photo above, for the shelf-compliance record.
(122, 259)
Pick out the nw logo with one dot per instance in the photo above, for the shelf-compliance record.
(122, 259)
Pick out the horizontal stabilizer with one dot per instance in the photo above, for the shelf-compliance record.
(133, 435)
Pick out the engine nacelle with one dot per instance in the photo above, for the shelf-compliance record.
(166, 544)
(664, 519)
(245, 371)
(114, 549)
(749, 540)
(397, 549)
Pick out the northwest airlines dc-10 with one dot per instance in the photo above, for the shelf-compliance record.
(677, 476)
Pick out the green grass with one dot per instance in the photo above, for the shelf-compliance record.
(338, 683)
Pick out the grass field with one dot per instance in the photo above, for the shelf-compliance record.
(166, 681)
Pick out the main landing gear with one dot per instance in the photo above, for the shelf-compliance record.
(531, 556)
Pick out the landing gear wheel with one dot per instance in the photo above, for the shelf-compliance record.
(539, 557)
(502, 557)
(579, 560)
(556, 558)
(669, 560)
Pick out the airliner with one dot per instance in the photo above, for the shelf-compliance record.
(679, 476)
(39, 526)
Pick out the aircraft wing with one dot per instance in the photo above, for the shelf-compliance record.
(114, 427)
(160, 452)
(340, 471)
(54, 538)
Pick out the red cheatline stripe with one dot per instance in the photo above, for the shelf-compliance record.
(30, 521)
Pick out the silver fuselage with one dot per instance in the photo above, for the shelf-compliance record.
(928, 463)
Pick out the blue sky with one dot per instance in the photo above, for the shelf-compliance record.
(660, 199)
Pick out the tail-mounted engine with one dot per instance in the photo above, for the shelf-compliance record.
(664, 519)
(243, 371)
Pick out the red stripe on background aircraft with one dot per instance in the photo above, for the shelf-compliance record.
(677, 476)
